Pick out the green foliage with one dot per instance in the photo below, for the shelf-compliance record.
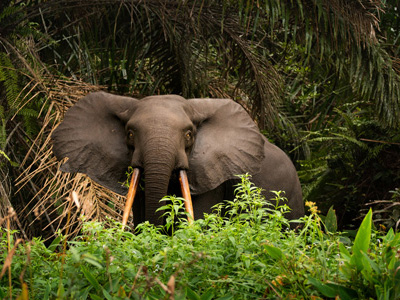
(223, 256)
(16, 73)
(9, 79)
(369, 273)
(174, 212)
(349, 156)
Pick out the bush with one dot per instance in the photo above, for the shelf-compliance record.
(249, 252)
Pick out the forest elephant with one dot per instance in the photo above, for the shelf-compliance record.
(212, 139)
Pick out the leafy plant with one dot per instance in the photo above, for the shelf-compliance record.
(174, 212)
(227, 255)
(366, 273)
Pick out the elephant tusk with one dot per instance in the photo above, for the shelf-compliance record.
(186, 194)
(131, 195)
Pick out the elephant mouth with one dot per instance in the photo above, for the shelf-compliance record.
(174, 185)
(178, 185)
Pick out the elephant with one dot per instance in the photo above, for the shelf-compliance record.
(214, 140)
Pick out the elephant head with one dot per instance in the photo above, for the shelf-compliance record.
(213, 139)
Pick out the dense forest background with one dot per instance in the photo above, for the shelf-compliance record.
(320, 77)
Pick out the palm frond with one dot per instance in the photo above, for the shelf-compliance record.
(52, 187)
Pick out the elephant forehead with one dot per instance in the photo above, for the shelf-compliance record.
(161, 110)
(164, 100)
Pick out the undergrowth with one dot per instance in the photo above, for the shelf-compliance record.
(245, 250)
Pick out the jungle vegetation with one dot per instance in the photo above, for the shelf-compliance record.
(222, 256)
(320, 77)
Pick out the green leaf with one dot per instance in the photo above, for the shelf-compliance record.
(95, 297)
(164, 207)
(46, 293)
(324, 289)
(91, 259)
(344, 293)
(192, 295)
(361, 243)
(332, 290)
(371, 263)
(344, 252)
(107, 295)
(60, 291)
(92, 280)
(274, 252)
(208, 295)
(54, 244)
(331, 221)
(389, 236)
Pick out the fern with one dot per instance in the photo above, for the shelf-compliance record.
(8, 11)
(30, 116)
(9, 77)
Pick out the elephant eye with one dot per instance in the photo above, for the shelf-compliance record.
(130, 134)
(188, 135)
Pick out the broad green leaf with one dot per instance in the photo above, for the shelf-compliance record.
(344, 252)
(331, 221)
(395, 242)
(274, 252)
(92, 280)
(85, 293)
(347, 270)
(391, 263)
(324, 289)
(389, 236)
(54, 244)
(366, 265)
(344, 293)
(208, 295)
(361, 243)
(107, 295)
(164, 207)
(371, 263)
(46, 293)
(60, 291)
(95, 297)
(91, 259)
(192, 295)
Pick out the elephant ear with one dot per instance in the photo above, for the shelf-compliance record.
(92, 137)
(228, 143)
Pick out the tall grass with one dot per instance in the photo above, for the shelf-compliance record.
(245, 250)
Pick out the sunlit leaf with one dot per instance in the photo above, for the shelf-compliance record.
(361, 243)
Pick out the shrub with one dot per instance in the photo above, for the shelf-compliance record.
(249, 252)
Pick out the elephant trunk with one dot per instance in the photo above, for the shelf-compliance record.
(158, 166)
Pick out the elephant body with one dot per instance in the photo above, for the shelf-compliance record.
(278, 174)
(213, 139)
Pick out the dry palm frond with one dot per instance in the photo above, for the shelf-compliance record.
(7, 211)
(53, 187)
